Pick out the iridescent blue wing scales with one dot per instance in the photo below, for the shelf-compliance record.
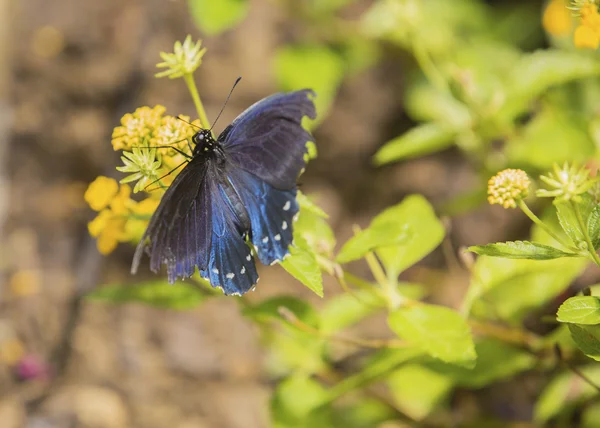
(268, 139)
(271, 212)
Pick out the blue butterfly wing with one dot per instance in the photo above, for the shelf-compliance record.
(268, 139)
(196, 225)
(271, 212)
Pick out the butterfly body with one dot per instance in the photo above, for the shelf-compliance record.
(236, 193)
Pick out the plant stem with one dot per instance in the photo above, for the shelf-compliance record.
(191, 84)
(429, 68)
(586, 235)
(541, 224)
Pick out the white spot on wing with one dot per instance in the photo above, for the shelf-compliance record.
(230, 275)
(243, 271)
(215, 270)
(287, 206)
(284, 225)
(248, 257)
(277, 237)
(265, 239)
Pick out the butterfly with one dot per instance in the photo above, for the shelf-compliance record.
(235, 198)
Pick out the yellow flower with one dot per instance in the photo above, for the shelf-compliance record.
(141, 214)
(109, 224)
(508, 186)
(100, 192)
(587, 34)
(557, 18)
(136, 128)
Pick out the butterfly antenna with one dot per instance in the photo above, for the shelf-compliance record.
(189, 123)
(227, 99)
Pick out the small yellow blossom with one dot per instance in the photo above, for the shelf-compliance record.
(109, 224)
(174, 130)
(508, 186)
(184, 60)
(141, 214)
(136, 128)
(557, 19)
(587, 34)
(567, 183)
(100, 192)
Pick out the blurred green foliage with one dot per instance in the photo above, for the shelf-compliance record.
(478, 84)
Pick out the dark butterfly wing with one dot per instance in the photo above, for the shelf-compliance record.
(268, 140)
(178, 234)
(271, 212)
(195, 225)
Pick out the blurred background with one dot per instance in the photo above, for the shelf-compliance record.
(69, 70)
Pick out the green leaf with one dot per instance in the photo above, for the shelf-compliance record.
(312, 232)
(439, 331)
(593, 226)
(378, 235)
(155, 293)
(587, 338)
(346, 309)
(418, 141)
(378, 366)
(520, 250)
(568, 219)
(564, 392)
(307, 205)
(509, 289)
(495, 361)
(402, 235)
(310, 66)
(214, 17)
(541, 142)
(295, 401)
(303, 266)
(418, 390)
(534, 73)
(580, 310)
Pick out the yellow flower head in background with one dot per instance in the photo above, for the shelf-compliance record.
(173, 130)
(557, 19)
(507, 187)
(587, 34)
(137, 128)
(113, 201)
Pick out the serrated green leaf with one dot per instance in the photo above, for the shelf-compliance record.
(418, 390)
(303, 266)
(534, 73)
(587, 339)
(564, 392)
(214, 17)
(593, 226)
(439, 331)
(568, 219)
(418, 141)
(520, 250)
(496, 281)
(310, 66)
(495, 361)
(580, 310)
(401, 235)
(155, 293)
(376, 236)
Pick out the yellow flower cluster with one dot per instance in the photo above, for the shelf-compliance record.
(119, 216)
(508, 186)
(558, 20)
(587, 34)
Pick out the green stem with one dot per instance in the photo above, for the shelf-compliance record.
(191, 84)
(586, 235)
(541, 224)
(429, 68)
